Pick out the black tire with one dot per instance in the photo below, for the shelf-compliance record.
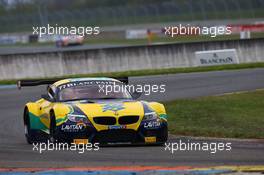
(54, 136)
(29, 133)
(53, 128)
(164, 135)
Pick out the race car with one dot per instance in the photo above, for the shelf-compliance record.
(68, 40)
(79, 110)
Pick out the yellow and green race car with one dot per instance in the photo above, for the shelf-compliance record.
(79, 111)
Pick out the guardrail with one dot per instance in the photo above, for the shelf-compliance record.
(51, 64)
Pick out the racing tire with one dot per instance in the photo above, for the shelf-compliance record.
(164, 136)
(30, 135)
(53, 135)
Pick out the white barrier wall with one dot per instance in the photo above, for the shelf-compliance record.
(50, 64)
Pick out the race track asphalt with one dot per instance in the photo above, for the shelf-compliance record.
(14, 152)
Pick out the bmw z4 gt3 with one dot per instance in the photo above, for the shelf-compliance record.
(75, 110)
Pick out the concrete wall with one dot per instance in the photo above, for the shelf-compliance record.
(49, 64)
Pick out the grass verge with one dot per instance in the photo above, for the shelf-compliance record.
(158, 71)
(239, 115)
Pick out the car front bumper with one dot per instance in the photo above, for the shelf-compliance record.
(143, 135)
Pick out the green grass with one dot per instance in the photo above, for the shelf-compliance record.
(228, 116)
(159, 71)
(175, 39)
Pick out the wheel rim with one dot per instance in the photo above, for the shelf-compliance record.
(26, 129)
(52, 139)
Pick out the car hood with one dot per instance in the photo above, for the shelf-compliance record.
(110, 108)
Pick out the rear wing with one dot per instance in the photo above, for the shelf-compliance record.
(23, 83)
(122, 79)
(37, 82)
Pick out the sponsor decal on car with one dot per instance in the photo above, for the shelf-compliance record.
(150, 139)
(80, 141)
(72, 128)
(113, 107)
(152, 124)
(117, 127)
(84, 83)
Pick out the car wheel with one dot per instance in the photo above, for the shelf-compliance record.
(166, 133)
(164, 136)
(29, 133)
(52, 137)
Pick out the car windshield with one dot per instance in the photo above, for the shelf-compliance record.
(90, 92)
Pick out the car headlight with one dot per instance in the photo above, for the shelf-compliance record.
(150, 116)
(78, 118)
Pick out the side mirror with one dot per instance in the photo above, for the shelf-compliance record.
(47, 97)
(136, 95)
